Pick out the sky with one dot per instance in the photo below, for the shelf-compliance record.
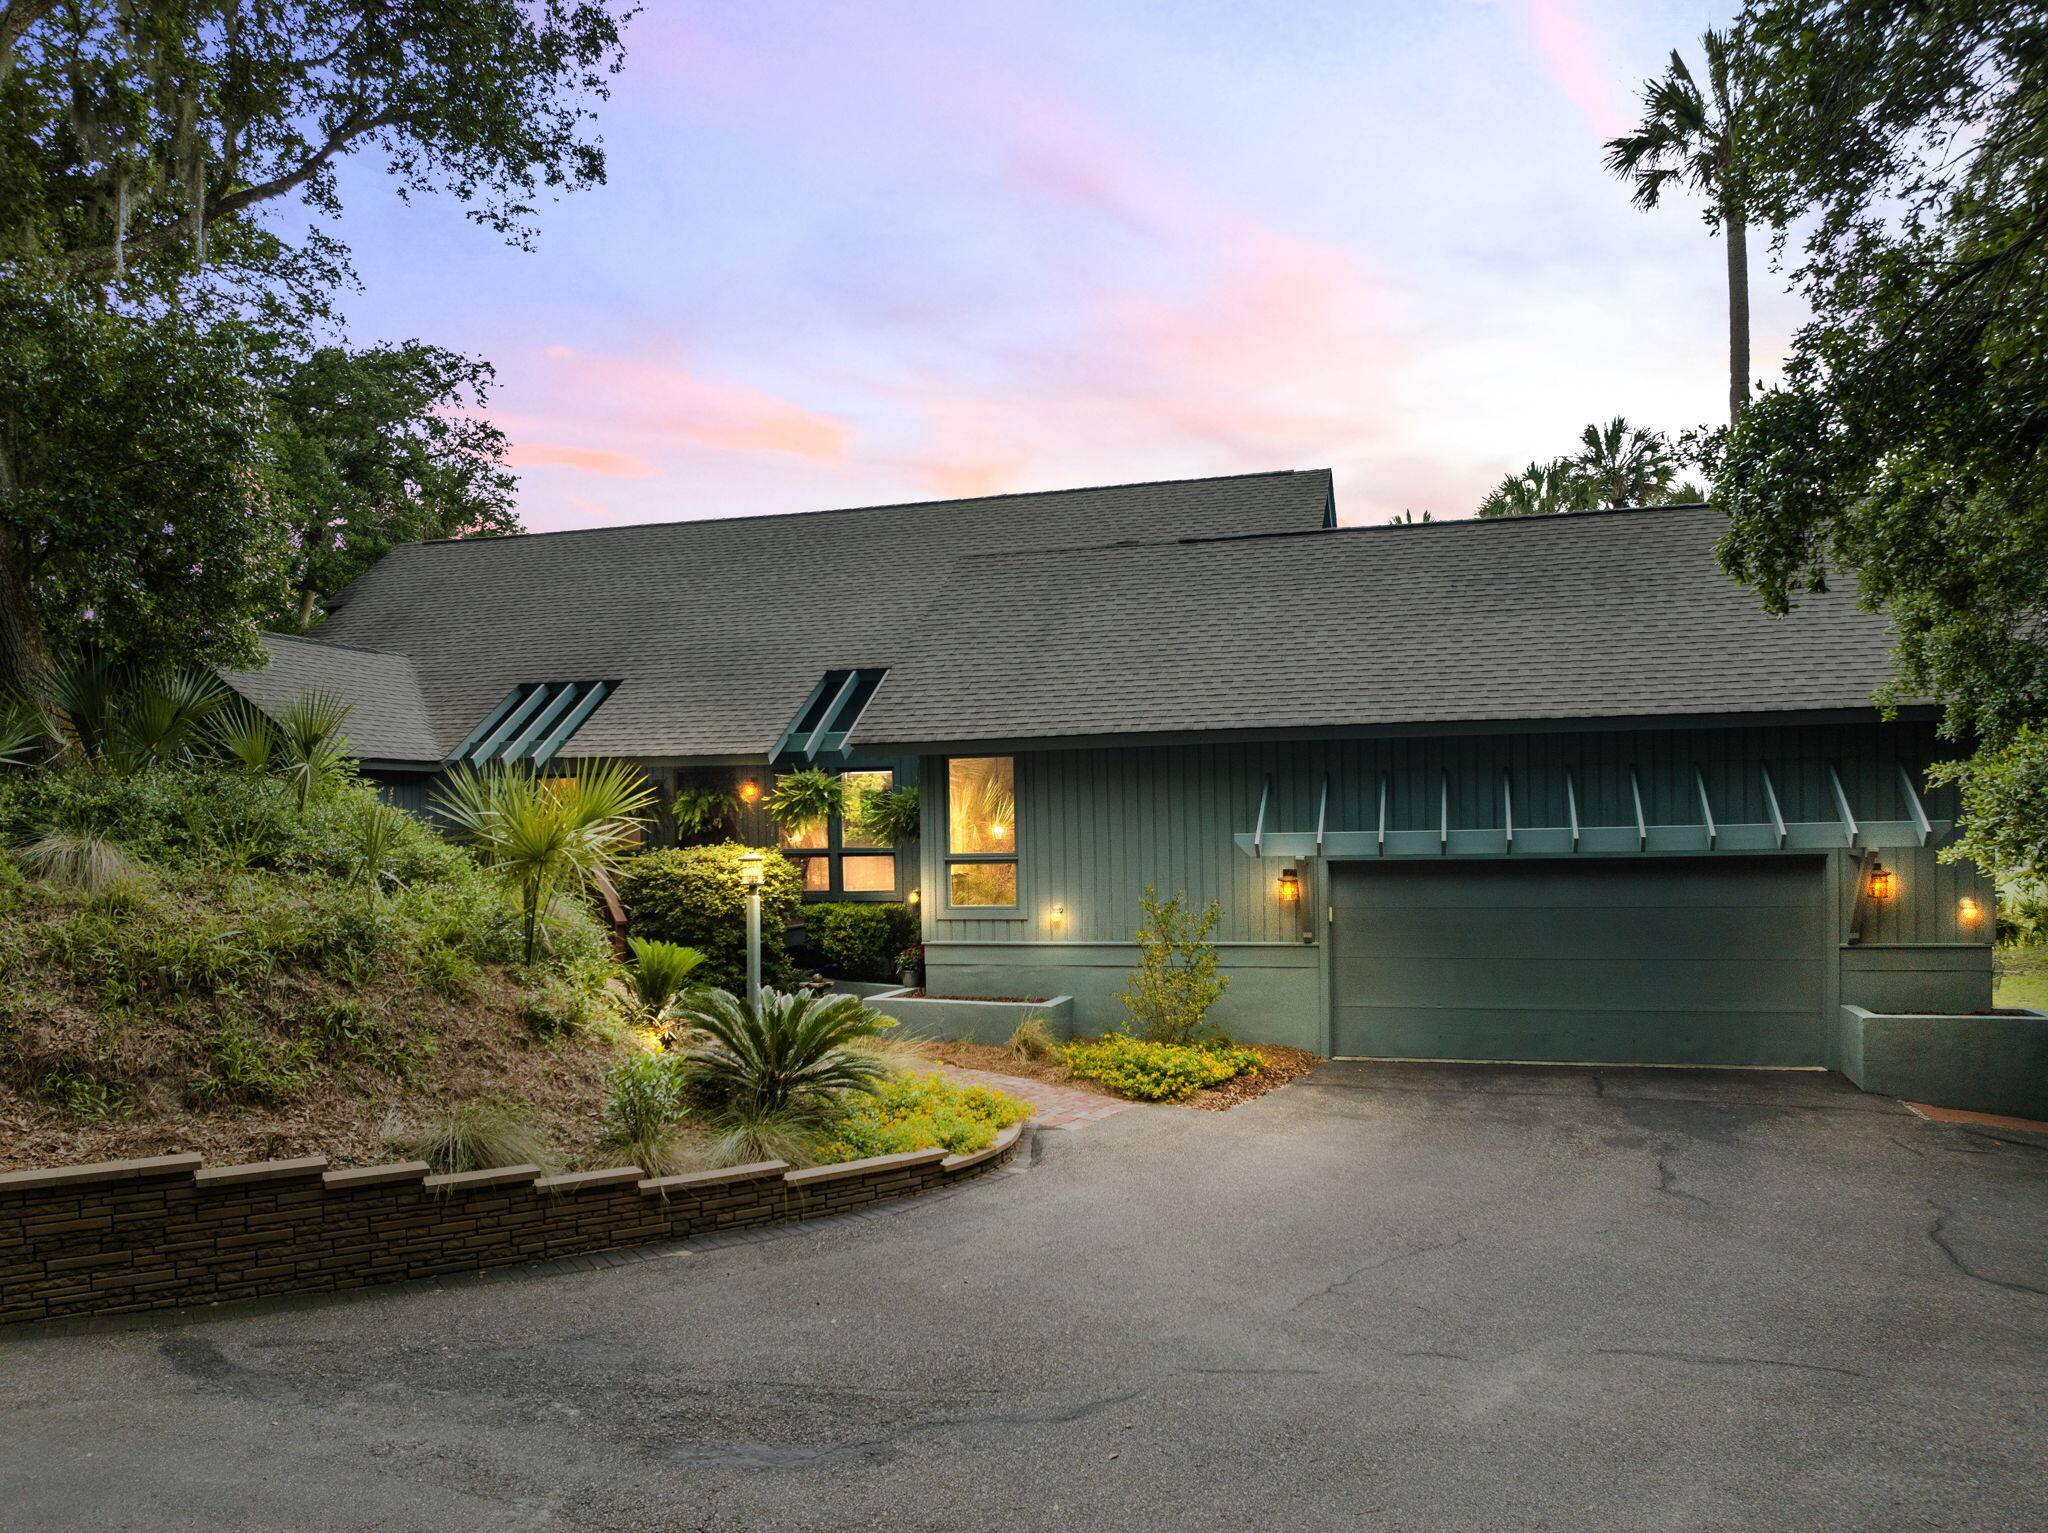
(860, 253)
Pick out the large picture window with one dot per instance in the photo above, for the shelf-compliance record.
(981, 831)
(835, 855)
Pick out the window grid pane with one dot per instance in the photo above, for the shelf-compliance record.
(981, 805)
(982, 883)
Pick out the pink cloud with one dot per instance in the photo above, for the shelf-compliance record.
(669, 402)
(1575, 64)
(612, 465)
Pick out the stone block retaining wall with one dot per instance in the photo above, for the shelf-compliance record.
(150, 1234)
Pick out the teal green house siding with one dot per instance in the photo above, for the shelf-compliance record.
(1096, 825)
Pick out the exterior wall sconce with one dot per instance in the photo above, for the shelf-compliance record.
(1290, 886)
(1884, 883)
(914, 897)
(750, 792)
(1969, 911)
(1057, 916)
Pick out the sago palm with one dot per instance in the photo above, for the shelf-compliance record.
(777, 1053)
(1626, 465)
(544, 837)
(1694, 138)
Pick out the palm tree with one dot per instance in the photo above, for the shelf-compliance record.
(545, 836)
(1694, 138)
(1541, 489)
(1626, 465)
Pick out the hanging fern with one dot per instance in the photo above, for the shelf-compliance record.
(889, 818)
(805, 798)
(700, 812)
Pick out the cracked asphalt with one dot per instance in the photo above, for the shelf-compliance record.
(1405, 1297)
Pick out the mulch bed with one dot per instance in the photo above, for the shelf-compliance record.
(1282, 1065)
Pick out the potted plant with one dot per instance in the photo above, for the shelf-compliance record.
(910, 965)
(803, 799)
(890, 817)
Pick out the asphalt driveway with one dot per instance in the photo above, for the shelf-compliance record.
(1407, 1297)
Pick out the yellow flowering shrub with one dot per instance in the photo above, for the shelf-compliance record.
(1156, 1072)
(922, 1112)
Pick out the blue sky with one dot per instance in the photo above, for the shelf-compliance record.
(857, 253)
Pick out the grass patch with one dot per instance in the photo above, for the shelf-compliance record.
(476, 1136)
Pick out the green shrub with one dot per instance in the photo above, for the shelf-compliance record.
(476, 1136)
(860, 940)
(646, 1097)
(922, 1112)
(1156, 1072)
(1177, 979)
(696, 896)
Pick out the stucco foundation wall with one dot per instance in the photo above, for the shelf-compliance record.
(947, 1017)
(1274, 996)
(148, 1234)
(1994, 1064)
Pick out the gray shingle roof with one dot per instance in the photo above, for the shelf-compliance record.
(1587, 616)
(717, 630)
(389, 719)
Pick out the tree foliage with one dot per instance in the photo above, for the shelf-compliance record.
(379, 447)
(1617, 464)
(178, 455)
(1907, 446)
(135, 510)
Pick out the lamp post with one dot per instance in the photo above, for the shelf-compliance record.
(753, 873)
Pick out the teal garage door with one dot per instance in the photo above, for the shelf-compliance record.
(1700, 961)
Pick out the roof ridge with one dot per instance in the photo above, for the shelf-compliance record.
(1552, 520)
(354, 649)
(886, 505)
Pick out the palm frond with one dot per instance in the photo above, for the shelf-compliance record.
(776, 1050)
(244, 735)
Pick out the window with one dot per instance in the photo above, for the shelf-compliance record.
(835, 855)
(981, 831)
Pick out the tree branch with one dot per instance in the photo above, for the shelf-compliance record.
(16, 17)
(345, 133)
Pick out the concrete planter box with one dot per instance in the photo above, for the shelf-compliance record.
(977, 1021)
(1995, 1062)
(866, 989)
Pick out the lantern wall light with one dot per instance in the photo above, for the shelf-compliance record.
(1969, 911)
(750, 791)
(1290, 886)
(1884, 883)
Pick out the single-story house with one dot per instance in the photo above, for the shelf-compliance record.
(1545, 789)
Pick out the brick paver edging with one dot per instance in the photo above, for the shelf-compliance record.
(155, 1233)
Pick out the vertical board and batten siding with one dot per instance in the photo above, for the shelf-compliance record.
(1095, 826)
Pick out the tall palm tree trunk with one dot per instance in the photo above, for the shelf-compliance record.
(1736, 231)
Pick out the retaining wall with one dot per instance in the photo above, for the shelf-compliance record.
(150, 1234)
(1994, 1061)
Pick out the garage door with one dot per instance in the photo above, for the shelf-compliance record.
(1700, 961)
